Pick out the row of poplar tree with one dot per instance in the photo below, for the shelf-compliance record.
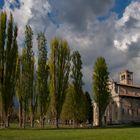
(49, 84)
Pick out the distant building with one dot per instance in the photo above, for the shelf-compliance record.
(124, 106)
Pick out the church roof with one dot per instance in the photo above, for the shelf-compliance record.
(130, 94)
(128, 85)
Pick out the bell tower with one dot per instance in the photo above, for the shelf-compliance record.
(126, 77)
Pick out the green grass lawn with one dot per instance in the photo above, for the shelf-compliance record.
(71, 134)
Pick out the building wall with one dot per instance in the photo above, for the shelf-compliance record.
(130, 110)
(124, 106)
(129, 91)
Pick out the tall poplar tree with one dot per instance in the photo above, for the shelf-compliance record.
(19, 91)
(8, 58)
(59, 75)
(101, 92)
(42, 77)
(3, 22)
(28, 76)
(32, 91)
(24, 87)
(76, 75)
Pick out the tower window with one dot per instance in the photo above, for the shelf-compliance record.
(122, 77)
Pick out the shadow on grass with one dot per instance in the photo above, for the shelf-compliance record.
(66, 128)
(44, 129)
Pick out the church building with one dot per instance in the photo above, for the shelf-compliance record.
(124, 106)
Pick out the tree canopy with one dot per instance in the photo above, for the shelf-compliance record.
(101, 92)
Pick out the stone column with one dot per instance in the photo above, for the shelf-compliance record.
(113, 112)
(95, 114)
(119, 105)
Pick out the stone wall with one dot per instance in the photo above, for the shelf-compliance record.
(124, 106)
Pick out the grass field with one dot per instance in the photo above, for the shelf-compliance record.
(71, 134)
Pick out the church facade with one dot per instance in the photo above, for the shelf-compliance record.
(124, 106)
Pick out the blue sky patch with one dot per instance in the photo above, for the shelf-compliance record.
(53, 18)
(1, 3)
(14, 4)
(118, 8)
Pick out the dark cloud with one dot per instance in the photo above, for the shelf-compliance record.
(77, 13)
(131, 23)
(40, 20)
(84, 32)
(134, 49)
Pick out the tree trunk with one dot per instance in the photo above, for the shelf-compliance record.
(6, 120)
(57, 125)
(100, 118)
(24, 119)
(20, 114)
(32, 114)
(2, 119)
(55, 92)
(42, 121)
(32, 119)
(73, 123)
(57, 121)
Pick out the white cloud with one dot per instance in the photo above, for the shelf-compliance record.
(127, 28)
(115, 39)
(21, 16)
(25, 13)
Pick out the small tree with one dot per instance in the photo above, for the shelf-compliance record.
(68, 110)
(71, 109)
(100, 87)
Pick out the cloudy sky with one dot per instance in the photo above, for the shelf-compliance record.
(108, 28)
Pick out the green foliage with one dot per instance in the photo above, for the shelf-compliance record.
(27, 67)
(42, 76)
(89, 108)
(19, 79)
(3, 22)
(77, 71)
(68, 110)
(80, 108)
(8, 58)
(59, 64)
(76, 75)
(19, 89)
(100, 86)
(27, 76)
